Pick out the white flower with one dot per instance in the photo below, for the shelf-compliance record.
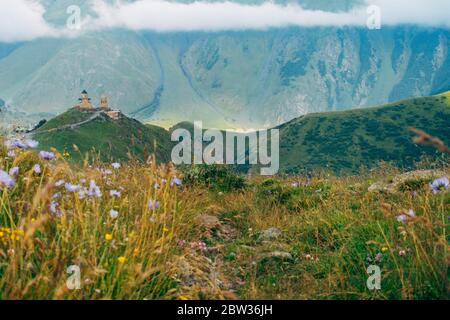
(116, 165)
(115, 193)
(59, 183)
(113, 214)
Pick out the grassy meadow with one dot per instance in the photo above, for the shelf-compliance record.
(147, 231)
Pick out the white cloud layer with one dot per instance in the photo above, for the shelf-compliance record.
(23, 19)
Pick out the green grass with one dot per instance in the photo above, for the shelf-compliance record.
(351, 139)
(112, 140)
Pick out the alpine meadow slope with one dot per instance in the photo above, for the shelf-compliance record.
(344, 141)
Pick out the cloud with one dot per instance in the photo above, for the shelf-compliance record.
(158, 15)
(23, 19)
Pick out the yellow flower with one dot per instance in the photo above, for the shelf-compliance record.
(384, 249)
(121, 260)
(183, 298)
(166, 230)
(108, 237)
(1, 234)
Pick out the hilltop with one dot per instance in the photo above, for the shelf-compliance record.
(339, 141)
(351, 139)
(113, 139)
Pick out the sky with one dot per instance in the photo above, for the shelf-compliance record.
(23, 20)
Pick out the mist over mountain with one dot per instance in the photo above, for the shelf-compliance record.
(236, 79)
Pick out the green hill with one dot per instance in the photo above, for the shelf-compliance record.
(351, 139)
(113, 139)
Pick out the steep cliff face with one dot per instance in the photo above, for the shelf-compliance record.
(227, 79)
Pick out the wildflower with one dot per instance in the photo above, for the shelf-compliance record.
(411, 213)
(384, 249)
(122, 260)
(14, 171)
(56, 196)
(176, 182)
(153, 204)
(378, 257)
(439, 184)
(116, 165)
(37, 169)
(182, 243)
(156, 186)
(54, 209)
(115, 194)
(11, 153)
(6, 180)
(31, 143)
(15, 143)
(72, 187)
(94, 190)
(404, 217)
(402, 253)
(295, 185)
(318, 191)
(165, 229)
(108, 237)
(106, 172)
(46, 155)
(82, 193)
(113, 214)
(59, 183)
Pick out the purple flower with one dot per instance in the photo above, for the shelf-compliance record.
(37, 169)
(31, 143)
(14, 171)
(6, 180)
(11, 154)
(405, 217)
(176, 182)
(72, 187)
(411, 213)
(15, 143)
(115, 194)
(153, 204)
(54, 209)
(439, 184)
(45, 155)
(94, 190)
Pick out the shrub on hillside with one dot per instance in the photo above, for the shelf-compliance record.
(292, 196)
(219, 177)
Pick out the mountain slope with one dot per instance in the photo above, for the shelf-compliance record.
(228, 79)
(113, 139)
(351, 139)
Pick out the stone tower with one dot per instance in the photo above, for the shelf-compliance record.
(104, 102)
(85, 101)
